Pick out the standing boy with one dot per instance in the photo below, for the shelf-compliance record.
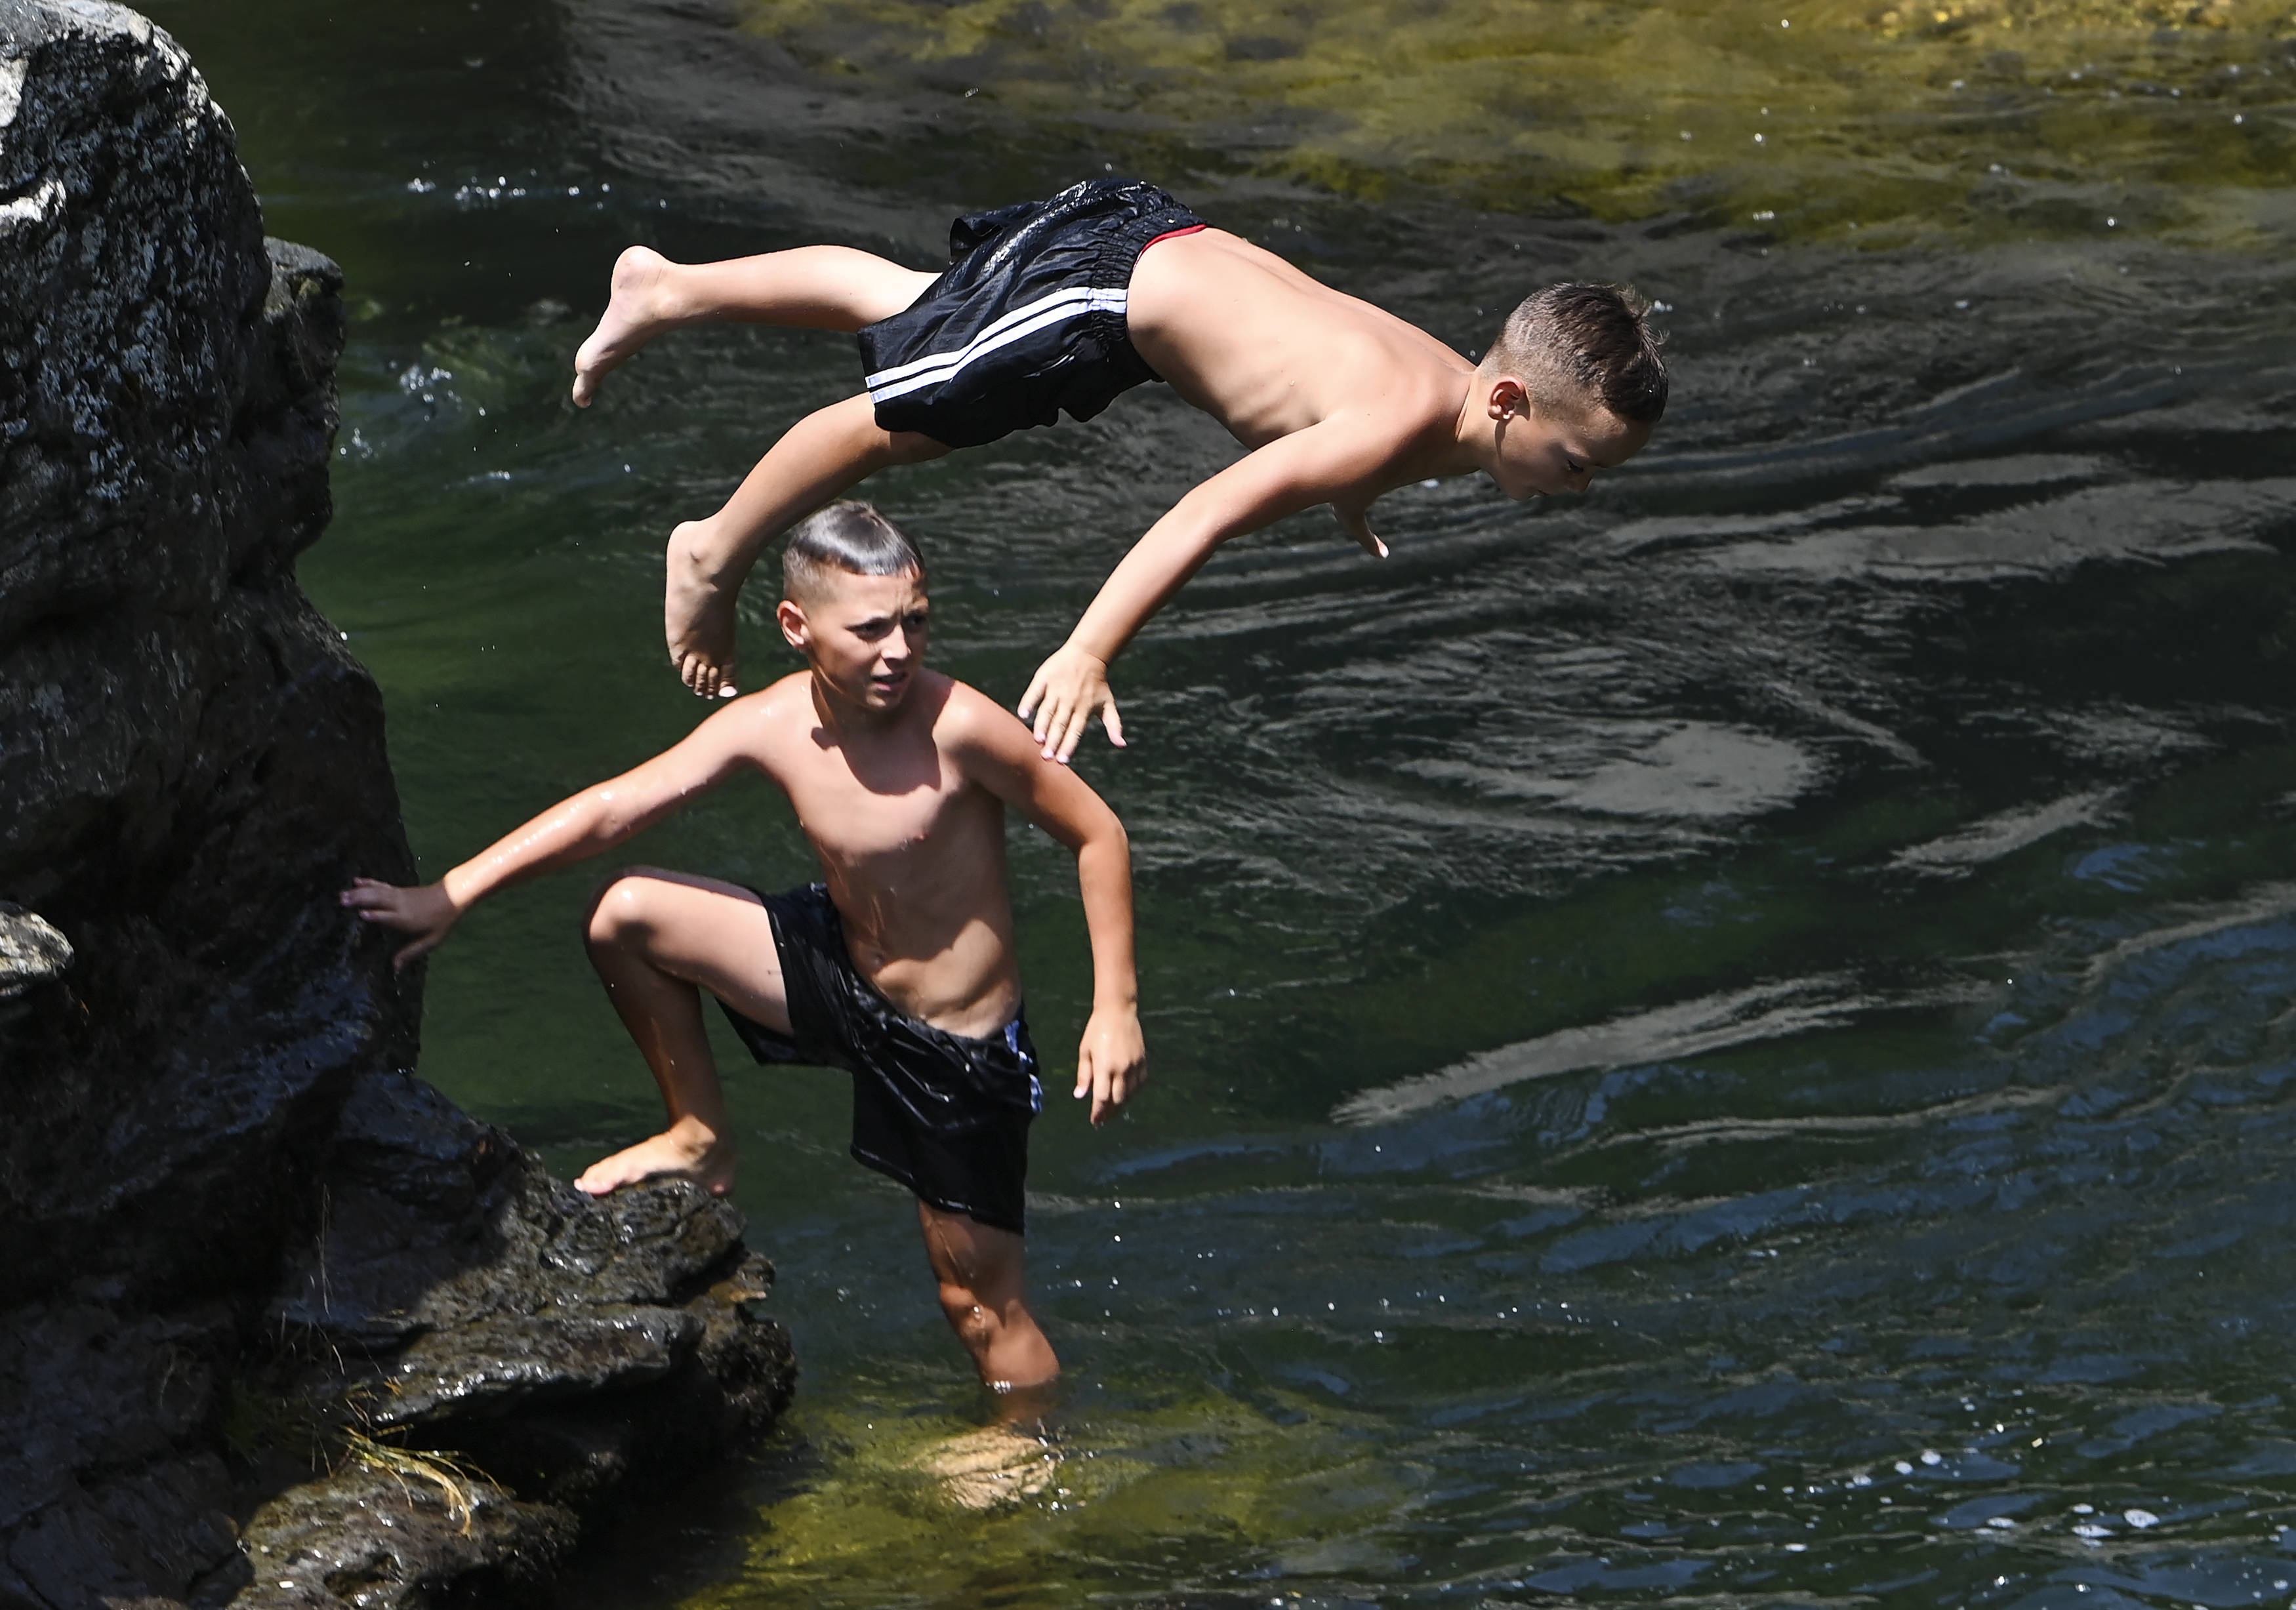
(898, 968)
(1062, 305)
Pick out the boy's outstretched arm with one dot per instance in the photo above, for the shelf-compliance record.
(998, 753)
(575, 828)
(1337, 461)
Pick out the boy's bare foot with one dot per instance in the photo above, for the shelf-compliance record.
(697, 616)
(636, 313)
(995, 1465)
(684, 1151)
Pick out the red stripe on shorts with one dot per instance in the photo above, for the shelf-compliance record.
(1173, 234)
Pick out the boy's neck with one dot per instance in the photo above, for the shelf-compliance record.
(1472, 446)
(844, 716)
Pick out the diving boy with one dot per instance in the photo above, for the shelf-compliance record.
(1062, 305)
(899, 967)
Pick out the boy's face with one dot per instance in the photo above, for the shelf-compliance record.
(863, 636)
(1536, 451)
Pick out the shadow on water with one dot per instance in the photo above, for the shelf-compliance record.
(1727, 1041)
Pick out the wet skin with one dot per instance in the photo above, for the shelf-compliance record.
(1336, 401)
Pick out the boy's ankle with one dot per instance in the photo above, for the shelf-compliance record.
(668, 302)
(703, 550)
(701, 1137)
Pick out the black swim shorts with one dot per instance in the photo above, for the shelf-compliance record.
(1028, 321)
(945, 1116)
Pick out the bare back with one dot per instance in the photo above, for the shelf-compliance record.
(910, 845)
(1268, 350)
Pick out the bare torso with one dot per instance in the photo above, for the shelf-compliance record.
(912, 849)
(1268, 350)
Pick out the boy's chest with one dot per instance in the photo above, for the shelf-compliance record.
(881, 814)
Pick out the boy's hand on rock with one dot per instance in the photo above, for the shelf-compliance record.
(1112, 1062)
(1066, 691)
(428, 913)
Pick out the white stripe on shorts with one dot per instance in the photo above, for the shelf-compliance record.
(1074, 302)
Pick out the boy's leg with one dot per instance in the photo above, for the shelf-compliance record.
(983, 1292)
(817, 458)
(812, 287)
(658, 939)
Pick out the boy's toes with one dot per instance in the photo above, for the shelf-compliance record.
(662, 1157)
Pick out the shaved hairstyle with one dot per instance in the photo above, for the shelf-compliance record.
(846, 536)
(1576, 343)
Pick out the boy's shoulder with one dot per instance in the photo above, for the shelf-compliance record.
(967, 719)
(961, 711)
(788, 700)
(756, 723)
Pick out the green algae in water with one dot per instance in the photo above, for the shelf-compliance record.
(1877, 123)
(1201, 1487)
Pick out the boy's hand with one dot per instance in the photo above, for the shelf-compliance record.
(1112, 1061)
(429, 913)
(1066, 691)
(1358, 525)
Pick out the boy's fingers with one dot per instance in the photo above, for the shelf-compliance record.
(1047, 715)
(1359, 527)
(1078, 718)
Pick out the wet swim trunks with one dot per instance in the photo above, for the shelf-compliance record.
(945, 1116)
(1028, 321)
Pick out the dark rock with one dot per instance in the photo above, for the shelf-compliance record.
(391, 1538)
(272, 1311)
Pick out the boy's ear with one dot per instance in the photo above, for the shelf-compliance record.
(1510, 398)
(793, 623)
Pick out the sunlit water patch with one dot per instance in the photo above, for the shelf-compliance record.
(1878, 120)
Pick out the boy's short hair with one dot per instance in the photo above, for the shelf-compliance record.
(846, 536)
(1576, 342)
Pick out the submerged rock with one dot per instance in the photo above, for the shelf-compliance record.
(266, 1301)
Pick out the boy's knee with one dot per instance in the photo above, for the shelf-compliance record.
(619, 911)
(913, 447)
(972, 1318)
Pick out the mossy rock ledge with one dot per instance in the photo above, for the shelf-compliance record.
(278, 1324)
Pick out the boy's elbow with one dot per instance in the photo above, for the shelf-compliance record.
(1105, 839)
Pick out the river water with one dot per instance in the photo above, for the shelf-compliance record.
(1725, 1042)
